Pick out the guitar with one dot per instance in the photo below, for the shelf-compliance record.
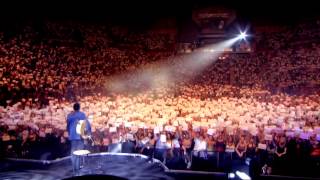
(82, 131)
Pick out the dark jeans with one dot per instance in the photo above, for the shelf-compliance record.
(160, 154)
(148, 152)
(76, 145)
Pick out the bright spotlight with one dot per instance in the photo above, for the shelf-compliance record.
(242, 175)
(242, 35)
(231, 176)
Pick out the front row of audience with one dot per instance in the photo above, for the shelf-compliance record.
(190, 149)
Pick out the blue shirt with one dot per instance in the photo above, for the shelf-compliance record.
(72, 121)
(161, 145)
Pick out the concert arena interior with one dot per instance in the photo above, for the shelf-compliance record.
(160, 90)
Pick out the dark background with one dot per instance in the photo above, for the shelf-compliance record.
(142, 11)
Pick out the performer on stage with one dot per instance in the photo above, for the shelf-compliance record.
(78, 128)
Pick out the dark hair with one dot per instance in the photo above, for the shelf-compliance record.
(76, 106)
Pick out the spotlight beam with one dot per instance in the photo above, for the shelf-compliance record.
(180, 69)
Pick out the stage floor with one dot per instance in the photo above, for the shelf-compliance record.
(129, 167)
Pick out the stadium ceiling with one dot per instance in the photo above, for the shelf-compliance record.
(126, 8)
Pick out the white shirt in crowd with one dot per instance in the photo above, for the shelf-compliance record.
(175, 143)
(200, 145)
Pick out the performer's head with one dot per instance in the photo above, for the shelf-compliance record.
(76, 107)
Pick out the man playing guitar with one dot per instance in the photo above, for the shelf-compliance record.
(79, 129)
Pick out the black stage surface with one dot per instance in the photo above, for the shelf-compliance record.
(116, 166)
(100, 165)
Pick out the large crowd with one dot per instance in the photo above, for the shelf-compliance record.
(54, 68)
(238, 105)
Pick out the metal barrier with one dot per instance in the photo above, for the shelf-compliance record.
(217, 154)
(276, 177)
(191, 175)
